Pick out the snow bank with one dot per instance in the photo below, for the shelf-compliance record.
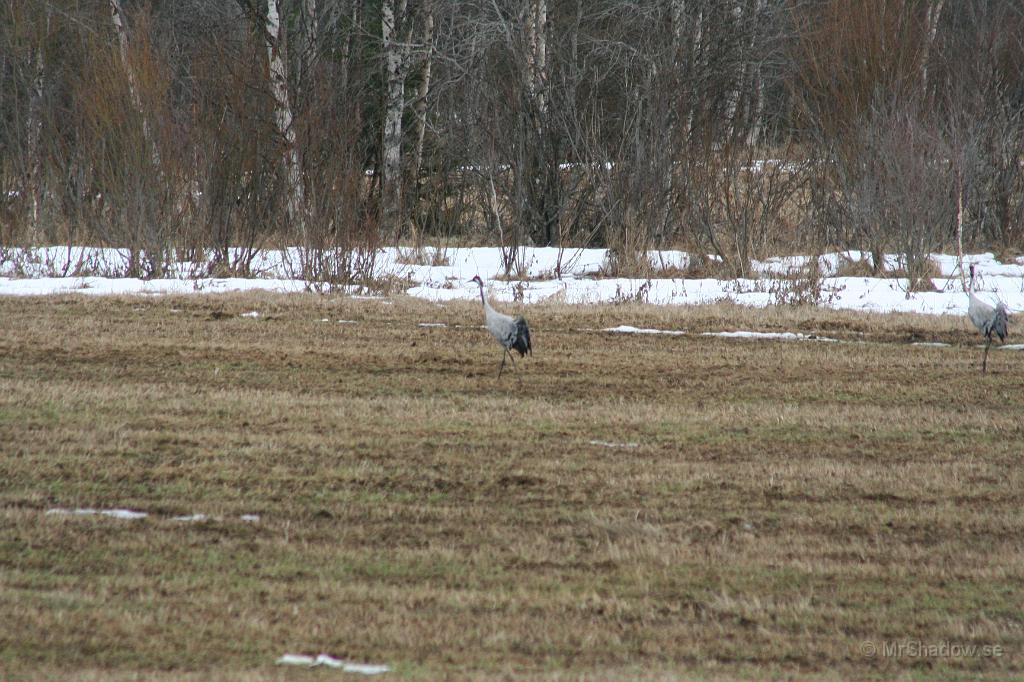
(572, 276)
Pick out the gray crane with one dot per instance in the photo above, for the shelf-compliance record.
(511, 332)
(986, 319)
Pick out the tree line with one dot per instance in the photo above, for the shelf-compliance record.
(210, 129)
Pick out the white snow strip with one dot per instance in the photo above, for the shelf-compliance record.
(548, 274)
(1012, 346)
(627, 329)
(190, 518)
(788, 336)
(347, 322)
(607, 444)
(331, 662)
(130, 514)
(251, 313)
(126, 514)
(930, 344)
(431, 324)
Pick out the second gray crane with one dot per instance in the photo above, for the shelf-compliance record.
(511, 332)
(986, 319)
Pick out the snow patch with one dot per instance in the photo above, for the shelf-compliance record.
(608, 444)
(548, 274)
(787, 336)
(190, 518)
(627, 329)
(126, 514)
(331, 662)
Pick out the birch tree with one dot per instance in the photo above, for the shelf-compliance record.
(117, 16)
(277, 56)
(396, 58)
(35, 136)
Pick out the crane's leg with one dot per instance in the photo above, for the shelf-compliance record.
(984, 358)
(505, 355)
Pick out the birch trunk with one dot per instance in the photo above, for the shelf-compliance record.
(35, 137)
(423, 91)
(537, 53)
(346, 49)
(757, 82)
(391, 144)
(697, 65)
(732, 99)
(277, 55)
(117, 15)
(932, 27)
(677, 17)
(538, 178)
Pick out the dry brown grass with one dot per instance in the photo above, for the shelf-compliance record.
(784, 503)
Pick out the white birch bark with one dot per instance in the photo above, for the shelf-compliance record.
(537, 53)
(312, 34)
(677, 17)
(423, 90)
(931, 26)
(395, 65)
(346, 48)
(696, 60)
(35, 136)
(733, 97)
(117, 16)
(757, 82)
(277, 56)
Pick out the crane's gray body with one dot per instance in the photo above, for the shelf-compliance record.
(987, 319)
(511, 332)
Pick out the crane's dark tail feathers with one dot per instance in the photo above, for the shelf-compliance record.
(521, 343)
(999, 323)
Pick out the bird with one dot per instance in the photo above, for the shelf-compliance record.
(987, 319)
(511, 332)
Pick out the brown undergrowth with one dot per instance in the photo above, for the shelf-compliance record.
(619, 507)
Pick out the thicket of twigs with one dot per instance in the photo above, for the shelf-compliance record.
(204, 130)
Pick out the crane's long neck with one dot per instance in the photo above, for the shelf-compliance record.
(487, 307)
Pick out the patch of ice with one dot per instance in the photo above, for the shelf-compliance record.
(251, 313)
(253, 518)
(331, 662)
